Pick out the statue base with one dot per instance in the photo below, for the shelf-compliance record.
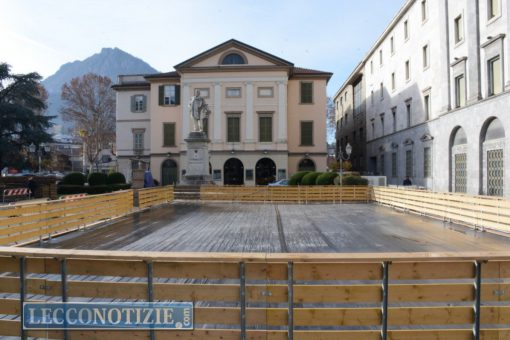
(197, 163)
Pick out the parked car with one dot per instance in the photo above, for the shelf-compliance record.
(280, 183)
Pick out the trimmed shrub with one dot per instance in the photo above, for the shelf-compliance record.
(97, 178)
(74, 178)
(116, 178)
(117, 187)
(326, 178)
(98, 189)
(297, 177)
(70, 189)
(354, 180)
(310, 178)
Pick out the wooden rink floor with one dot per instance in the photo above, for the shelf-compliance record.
(242, 227)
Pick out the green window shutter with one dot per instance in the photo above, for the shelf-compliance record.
(306, 93)
(161, 94)
(233, 134)
(133, 103)
(307, 133)
(177, 94)
(168, 134)
(144, 105)
(265, 129)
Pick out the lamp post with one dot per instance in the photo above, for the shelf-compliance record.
(33, 148)
(340, 157)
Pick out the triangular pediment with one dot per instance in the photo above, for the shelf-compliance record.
(251, 57)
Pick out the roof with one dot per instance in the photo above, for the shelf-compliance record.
(171, 74)
(131, 85)
(306, 72)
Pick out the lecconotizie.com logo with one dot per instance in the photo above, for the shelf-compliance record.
(117, 315)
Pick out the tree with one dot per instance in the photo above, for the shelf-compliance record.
(22, 103)
(89, 102)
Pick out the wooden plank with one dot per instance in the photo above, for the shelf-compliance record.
(431, 292)
(430, 316)
(496, 269)
(337, 294)
(340, 271)
(337, 316)
(196, 270)
(431, 270)
(106, 268)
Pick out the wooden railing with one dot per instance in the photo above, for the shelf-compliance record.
(276, 296)
(291, 194)
(40, 220)
(478, 211)
(154, 196)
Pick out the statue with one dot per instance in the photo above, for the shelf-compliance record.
(198, 111)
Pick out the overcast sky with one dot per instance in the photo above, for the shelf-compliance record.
(41, 35)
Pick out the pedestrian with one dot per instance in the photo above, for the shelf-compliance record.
(32, 186)
(407, 181)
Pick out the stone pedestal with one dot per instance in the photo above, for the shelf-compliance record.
(197, 167)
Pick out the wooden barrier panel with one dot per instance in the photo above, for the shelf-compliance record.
(476, 211)
(149, 197)
(33, 221)
(323, 296)
(291, 194)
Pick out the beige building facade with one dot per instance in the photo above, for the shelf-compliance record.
(267, 117)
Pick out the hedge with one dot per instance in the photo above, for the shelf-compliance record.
(116, 178)
(354, 180)
(326, 178)
(117, 187)
(91, 190)
(74, 178)
(97, 178)
(65, 189)
(297, 177)
(310, 178)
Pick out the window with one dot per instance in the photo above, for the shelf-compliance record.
(138, 136)
(306, 93)
(406, 30)
(169, 95)
(380, 57)
(382, 165)
(233, 129)
(306, 133)
(493, 9)
(346, 118)
(204, 92)
(460, 91)
(393, 81)
(494, 73)
(361, 134)
(426, 106)
(372, 97)
(393, 164)
(168, 134)
(392, 45)
(459, 29)
(205, 126)
(373, 127)
(371, 67)
(382, 91)
(409, 163)
(233, 92)
(138, 103)
(408, 113)
(424, 10)
(358, 100)
(265, 129)
(382, 124)
(233, 59)
(425, 56)
(427, 163)
(394, 118)
(408, 70)
(265, 92)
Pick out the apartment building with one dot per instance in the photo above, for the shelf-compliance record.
(267, 116)
(436, 88)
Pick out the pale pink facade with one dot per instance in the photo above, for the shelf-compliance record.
(267, 116)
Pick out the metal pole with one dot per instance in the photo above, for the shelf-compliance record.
(242, 298)
(478, 297)
(150, 292)
(290, 282)
(384, 308)
(22, 293)
(63, 283)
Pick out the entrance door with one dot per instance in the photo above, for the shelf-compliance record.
(233, 172)
(265, 171)
(169, 172)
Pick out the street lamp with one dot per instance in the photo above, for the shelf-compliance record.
(340, 157)
(33, 148)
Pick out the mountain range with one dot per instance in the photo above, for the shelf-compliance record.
(109, 62)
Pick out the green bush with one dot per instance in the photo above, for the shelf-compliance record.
(117, 187)
(297, 177)
(116, 178)
(354, 180)
(326, 178)
(98, 189)
(97, 178)
(74, 178)
(310, 178)
(65, 189)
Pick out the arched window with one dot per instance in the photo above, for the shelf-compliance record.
(458, 161)
(306, 164)
(493, 160)
(233, 59)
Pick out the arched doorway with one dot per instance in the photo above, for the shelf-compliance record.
(458, 160)
(306, 164)
(493, 160)
(169, 172)
(233, 172)
(265, 171)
